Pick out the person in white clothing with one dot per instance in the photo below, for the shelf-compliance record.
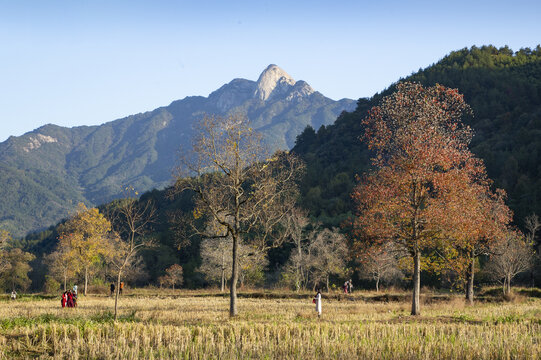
(317, 300)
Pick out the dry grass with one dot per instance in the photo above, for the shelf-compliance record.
(196, 325)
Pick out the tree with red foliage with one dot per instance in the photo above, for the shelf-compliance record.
(484, 224)
(422, 185)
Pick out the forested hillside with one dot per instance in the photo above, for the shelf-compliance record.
(504, 90)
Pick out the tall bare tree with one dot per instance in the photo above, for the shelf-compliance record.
(236, 183)
(296, 223)
(329, 254)
(130, 218)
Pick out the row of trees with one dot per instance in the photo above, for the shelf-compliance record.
(90, 239)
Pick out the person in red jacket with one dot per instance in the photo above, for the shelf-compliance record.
(70, 299)
(64, 298)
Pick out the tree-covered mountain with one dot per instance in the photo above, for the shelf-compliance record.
(504, 90)
(46, 172)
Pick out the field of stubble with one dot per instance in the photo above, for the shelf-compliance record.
(191, 326)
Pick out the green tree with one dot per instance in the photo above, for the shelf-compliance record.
(15, 275)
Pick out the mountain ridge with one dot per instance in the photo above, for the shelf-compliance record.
(47, 171)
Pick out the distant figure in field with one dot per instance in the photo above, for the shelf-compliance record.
(70, 302)
(74, 294)
(317, 301)
(121, 287)
(112, 289)
(13, 295)
(75, 289)
(64, 298)
(350, 286)
(345, 287)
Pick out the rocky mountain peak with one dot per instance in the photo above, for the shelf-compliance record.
(271, 78)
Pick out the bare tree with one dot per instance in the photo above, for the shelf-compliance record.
(130, 219)
(173, 276)
(532, 224)
(236, 184)
(379, 263)
(295, 224)
(514, 255)
(60, 265)
(216, 261)
(323, 253)
(328, 253)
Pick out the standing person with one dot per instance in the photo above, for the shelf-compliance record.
(345, 287)
(75, 289)
(70, 299)
(64, 298)
(112, 289)
(13, 295)
(317, 300)
(121, 287)
(350, 286)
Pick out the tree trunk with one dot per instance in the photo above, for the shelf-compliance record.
(415, 304)
(234, 278)
(377, 284)
(469, 278)
(223, 272)
(117, 291)
(299, 266)
(65, 282)
(223, 280)
(328, 283)
(86, 279)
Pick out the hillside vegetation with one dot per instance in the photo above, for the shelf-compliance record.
(504, 90)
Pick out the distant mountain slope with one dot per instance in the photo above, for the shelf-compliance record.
(503, 88)
(46, 172)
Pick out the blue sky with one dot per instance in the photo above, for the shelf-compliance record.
(88, 62)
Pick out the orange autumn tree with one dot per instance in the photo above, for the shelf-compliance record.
(485, 222)
(413, 197)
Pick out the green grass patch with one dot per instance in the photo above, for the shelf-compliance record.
(103, 318)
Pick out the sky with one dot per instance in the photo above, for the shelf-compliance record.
(81, 62)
